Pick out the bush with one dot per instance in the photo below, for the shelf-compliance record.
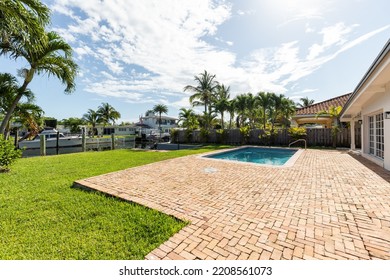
(245, 133)
(297, 132)
(174, 135)
(8, 154)
(204, 135)
(222, 135)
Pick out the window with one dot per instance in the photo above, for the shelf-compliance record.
(376, 135)
(122, 129)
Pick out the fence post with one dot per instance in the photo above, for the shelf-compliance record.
(42, 141)
(113, 141)
(84, 141)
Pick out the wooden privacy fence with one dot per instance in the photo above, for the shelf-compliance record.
(315, 137)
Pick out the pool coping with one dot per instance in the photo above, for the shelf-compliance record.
(289, 163)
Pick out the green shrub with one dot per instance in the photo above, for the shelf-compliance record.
(174, 135)
(297, 132)
(8, 154)
(245, 133)
(204, 135)
(222, 135)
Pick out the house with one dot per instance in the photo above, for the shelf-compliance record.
(151, 120)
(308, 115)
(369, 105)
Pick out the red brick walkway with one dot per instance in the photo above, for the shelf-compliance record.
(328, 205)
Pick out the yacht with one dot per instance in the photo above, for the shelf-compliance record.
(51, 140)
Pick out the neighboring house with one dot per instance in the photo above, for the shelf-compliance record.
(116, 129)
(307, 116)
(152, 121)
(370, 106)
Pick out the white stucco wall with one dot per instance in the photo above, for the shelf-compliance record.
(379, 103)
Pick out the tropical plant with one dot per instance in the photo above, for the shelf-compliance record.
(265, 103)
(107, 113)
(240, 104)
(73, 124)
(297, 132)
(221, 101)
(245, 133)
(28, 114)
(306, 101)
(92, 118)
(160, 109)
(203, 91)
(188, 119)
(8, 154)
(231, 109)
(54, 58)
(333, 113)
(21, 22)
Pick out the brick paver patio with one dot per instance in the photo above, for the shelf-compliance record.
(329, 205)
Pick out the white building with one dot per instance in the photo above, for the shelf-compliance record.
(152, 120)
(369, 106)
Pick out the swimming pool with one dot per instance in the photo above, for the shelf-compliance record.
(266, 156)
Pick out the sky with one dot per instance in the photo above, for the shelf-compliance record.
(136, 54)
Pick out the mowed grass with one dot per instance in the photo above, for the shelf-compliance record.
(42, 216)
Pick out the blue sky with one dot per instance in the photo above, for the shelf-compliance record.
(136, 54)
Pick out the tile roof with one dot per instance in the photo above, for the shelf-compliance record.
(324, 105)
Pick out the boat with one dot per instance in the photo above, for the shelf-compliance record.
(51, 140)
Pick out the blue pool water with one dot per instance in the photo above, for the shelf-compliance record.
(269, 156)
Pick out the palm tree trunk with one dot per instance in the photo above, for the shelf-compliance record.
(222, 122)
(10, 111)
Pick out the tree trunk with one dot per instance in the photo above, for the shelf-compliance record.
(10, 111)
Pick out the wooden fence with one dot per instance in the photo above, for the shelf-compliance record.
(321, 137)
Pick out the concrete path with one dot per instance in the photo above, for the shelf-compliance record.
(328, 205)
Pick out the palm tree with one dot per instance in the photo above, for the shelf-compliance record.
(288, 109)
(334, 113)
(265, 102)
(203, 91)
(221, 101)
(240, 105)
(306, 101)
(108, 113)
(188, 119)
(54, 58)
(31, 116)
(231, 109)
(92, 118)
(22, 21)
(9, 90)
(160, 109)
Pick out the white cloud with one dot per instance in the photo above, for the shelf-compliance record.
(151, 49)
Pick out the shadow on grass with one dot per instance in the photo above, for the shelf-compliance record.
(380, 171)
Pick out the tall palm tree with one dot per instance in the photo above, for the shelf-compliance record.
(288, 109)
(160, 109)
(221, 101)
(30, 116)
(265, 102)
(231, 109)
(54, 58)
(203, 91)
(334, 113)
(22, 21)
(306, 101)
(92, 118)
(240, 104)
(108, 113)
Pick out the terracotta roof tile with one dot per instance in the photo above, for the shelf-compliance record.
(324, 105)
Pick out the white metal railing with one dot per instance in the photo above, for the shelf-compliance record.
(289, 145)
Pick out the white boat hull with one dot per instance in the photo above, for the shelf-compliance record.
(51, 143)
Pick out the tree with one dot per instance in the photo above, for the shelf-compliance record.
(188, 119)
(9, 90)
(92, 118)
(73, 124)
(231, 109)
(221, 101)
(240, 104)
(203, 91)
(334, 113)
(265, 103)
(54, 58)
(108, 113)
(22, 21)
(160, 109)
(306, 101)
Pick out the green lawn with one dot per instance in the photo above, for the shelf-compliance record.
(43, 217)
